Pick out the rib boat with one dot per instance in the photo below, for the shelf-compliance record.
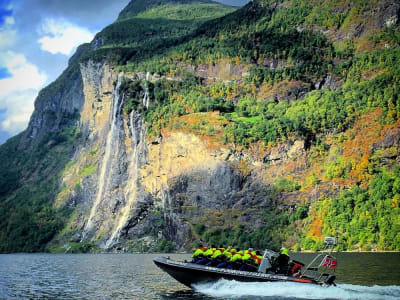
(320, 271)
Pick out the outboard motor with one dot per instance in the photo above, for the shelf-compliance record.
(330, 280)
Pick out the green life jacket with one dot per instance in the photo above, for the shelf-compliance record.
(197, 253)
(227, 253)
(236, 257)
(209, 252)
(246, 256)
(285, 252)
(217, 253)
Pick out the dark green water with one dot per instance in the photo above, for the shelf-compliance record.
(134, 276)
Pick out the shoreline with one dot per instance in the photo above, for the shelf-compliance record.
(189, 253)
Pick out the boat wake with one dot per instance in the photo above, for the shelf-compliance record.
(234, 289)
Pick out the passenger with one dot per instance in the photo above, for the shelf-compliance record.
(246, 258)
(216, 258)
(227, 254)
(236, 260)
(252, 264)
(258, 257)
(198, 254)
(207, 255)
(282, 262)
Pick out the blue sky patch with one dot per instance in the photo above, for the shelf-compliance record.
(4, 11)
(3, 134)
(4, 73)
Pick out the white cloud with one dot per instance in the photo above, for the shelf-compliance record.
(18, 92)
(9, 21)
(8, 35)
(60, 36)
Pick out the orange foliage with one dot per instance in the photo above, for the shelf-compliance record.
(357, 148)
(208, 126)
(315, 231)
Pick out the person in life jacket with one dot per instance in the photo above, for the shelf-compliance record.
(217, 256)
(246, 260)
(282, 262)
(258, 257)
(198, 254)
(207, 255)
(252, 264)
(236, 260)
(227, 254)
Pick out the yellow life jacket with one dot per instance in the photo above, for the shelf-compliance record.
(236, 257)
(209, 252)
(227, 253)
(197, 252)
(246, 256)
(216, 253)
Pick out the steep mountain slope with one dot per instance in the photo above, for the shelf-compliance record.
(276, 123)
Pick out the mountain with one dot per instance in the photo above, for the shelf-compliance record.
(138, 6)
(276, 123)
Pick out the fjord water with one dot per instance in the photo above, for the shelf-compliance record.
(134, 276)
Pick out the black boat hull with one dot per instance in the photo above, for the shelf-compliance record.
(190, 274)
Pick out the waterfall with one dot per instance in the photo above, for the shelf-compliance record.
(111, 146)
(133, 191)
(146, 98)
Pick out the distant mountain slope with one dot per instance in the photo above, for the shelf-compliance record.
(137, 6)
(276, 123)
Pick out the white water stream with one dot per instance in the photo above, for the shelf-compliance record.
(233, 289)
(112, 138)
(132, 193)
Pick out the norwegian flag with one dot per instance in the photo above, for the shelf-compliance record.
(329, 262)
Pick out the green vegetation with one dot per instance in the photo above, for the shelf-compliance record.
(164, 246)
(28, 186)
(272, 92)
(139, 6)
(362, 218)
(82, 247)
(250, 112)
(87, 170)
(138, 34)
(277, 226)
(285, 185)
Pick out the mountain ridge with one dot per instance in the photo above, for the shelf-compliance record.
(135, 7)
(257, 128)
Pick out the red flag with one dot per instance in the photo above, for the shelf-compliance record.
(333, 264)
(329, 263)
(326, 262)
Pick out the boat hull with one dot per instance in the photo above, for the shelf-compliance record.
(190, 274)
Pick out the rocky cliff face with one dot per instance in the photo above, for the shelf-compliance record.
(134, 191)
(218, 175)
(132, 176)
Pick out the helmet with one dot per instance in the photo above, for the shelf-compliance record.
(285, 251)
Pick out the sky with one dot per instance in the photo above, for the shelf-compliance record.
(37, 37)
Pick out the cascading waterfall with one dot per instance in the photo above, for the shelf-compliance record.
(146, 98)
(111, 144)
(133, 191)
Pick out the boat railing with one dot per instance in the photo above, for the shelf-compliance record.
(324, 264)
